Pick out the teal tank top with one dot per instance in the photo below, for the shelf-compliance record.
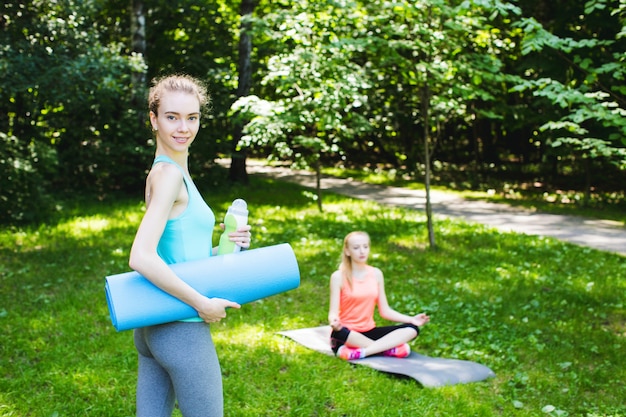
(189, 236)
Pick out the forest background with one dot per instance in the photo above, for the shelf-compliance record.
(524, 92)
(523, 96)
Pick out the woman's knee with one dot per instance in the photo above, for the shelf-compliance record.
(338, 338)
(413, 327)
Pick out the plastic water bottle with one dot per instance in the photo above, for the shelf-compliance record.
(236, 216)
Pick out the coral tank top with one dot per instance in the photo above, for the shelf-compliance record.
(356, 304)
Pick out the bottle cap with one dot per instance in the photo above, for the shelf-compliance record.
(239, 206)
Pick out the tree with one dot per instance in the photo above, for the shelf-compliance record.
(319, 88)
(138, 46)
(436, 62)
(238, 162)
(429, 68)
(198, 37)
(592, 120)
(65, 111)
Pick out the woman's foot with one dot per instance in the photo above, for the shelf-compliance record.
(401, 351)
(349, 354)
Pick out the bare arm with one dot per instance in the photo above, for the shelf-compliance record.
(164, 185)
(389, 313)
(333, 309)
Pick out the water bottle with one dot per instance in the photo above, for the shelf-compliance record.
(236, 216)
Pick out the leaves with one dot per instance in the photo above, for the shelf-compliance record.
(589, 106)
(340, 82)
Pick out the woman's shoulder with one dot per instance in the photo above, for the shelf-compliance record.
(165, 166)
(164, 180)
(337, 279)
(374, 269)
(376, 272)
(165, 173)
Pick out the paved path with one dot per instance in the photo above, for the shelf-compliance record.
(605, 235)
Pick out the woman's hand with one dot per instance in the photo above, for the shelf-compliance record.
(241, 237)
(212, 310)
(335, 324)
(420, 319)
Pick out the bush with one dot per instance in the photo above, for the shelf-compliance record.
(23, 165)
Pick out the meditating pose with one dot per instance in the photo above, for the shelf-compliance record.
(177, 361)
(356, 288)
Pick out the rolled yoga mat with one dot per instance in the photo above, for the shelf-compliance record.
(241, 277)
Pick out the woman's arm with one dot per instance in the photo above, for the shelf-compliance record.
(164, 186)
(333, 309)
(389, 313)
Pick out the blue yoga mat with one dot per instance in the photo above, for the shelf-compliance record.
(242, 277)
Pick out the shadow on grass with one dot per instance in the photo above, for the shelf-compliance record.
(548, 317)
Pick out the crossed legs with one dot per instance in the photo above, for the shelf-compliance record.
(377, 340)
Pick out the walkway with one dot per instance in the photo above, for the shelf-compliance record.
(604, 235)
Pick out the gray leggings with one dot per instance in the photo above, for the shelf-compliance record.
(177, 361)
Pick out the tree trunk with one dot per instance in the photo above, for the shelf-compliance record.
(138, 46)
(425, 101)
(587, 195)
(237, 172)
(318, 183)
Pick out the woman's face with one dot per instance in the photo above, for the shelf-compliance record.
(178, 120)
(358, 248)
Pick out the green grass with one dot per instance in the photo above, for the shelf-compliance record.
(548, 317)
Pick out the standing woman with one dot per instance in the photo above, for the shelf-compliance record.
(177, 361)
(355, 290)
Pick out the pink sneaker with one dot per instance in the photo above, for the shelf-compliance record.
(349, 353)
(401, 351)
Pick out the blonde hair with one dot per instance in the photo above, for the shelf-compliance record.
(345, 267)
(175, 83)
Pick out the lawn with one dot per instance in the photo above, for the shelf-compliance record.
(548, 317)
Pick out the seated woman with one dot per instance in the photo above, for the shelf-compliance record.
(355, 289)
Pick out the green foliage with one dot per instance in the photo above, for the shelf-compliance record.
(66, 88)
(66, 106)
(22, 168)
(442, 78)
(593, 120)
(547, 317)
(198, 37)
(319, 89)
(524, 88)
(347, 73)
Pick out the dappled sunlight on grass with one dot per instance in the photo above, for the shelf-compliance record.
(246, 334)
(547, 317)
(254, 337)
(81, 227)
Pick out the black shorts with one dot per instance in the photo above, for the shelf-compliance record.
(338, 337)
